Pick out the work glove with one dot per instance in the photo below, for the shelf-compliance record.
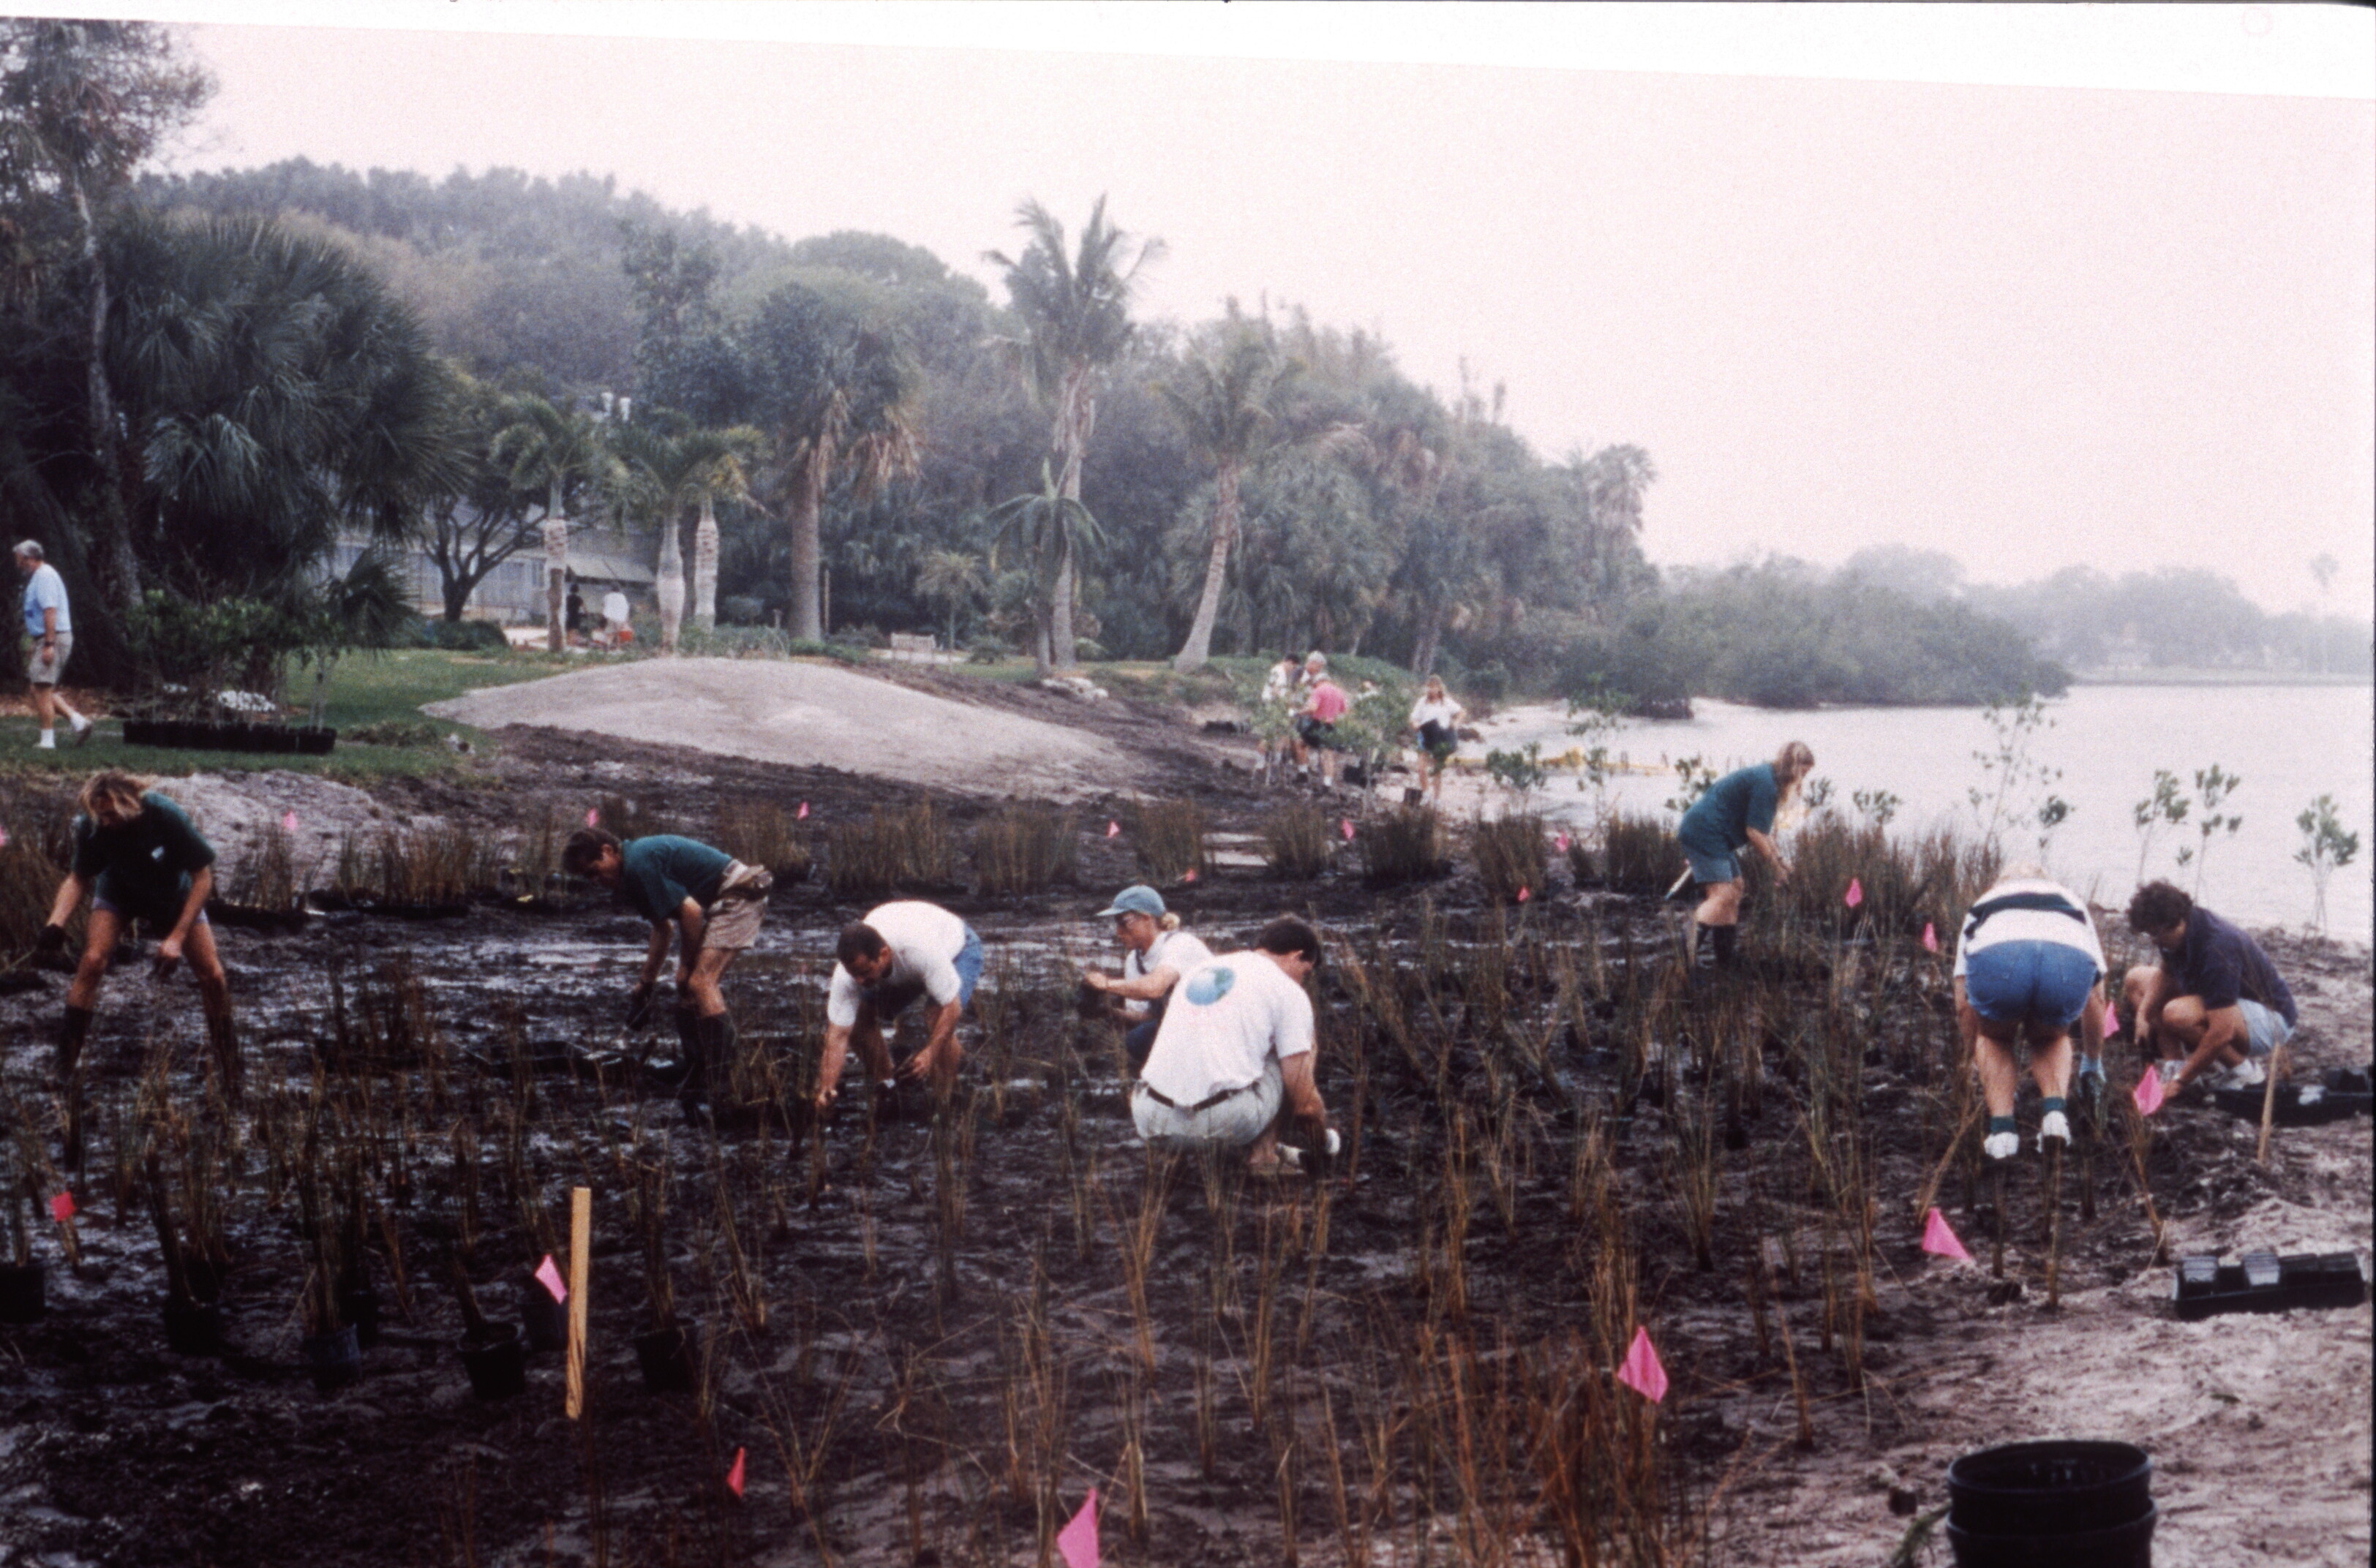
(52, 941)
(639, 1006)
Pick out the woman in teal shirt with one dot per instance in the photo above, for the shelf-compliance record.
(1736, 813)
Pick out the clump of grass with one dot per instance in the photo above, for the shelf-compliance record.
(1024, 848)
(1904, 885)
(1406, 845)
(630, 819)
(1170, 838)
(430, 866)
(761, 834)
(28, 884)
(910, 847)
(265, 877)
(536, 858)
(1300, 840)
(1510, 853)
(1639, 855)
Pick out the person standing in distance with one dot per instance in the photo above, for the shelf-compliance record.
(51, 625)
(1736, 813)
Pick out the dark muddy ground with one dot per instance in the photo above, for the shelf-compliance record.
(944, 1330)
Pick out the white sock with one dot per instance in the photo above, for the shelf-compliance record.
(48, 742)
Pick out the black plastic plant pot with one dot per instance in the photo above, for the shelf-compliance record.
(138, 731)
(498, 1365)
(23, 1293)
(333, 1360)
(194, 1328)
(359, 1306)
(545, 1321)
(2117, 1546)
(668, 1357)
(2049, 1488)
(313, 740)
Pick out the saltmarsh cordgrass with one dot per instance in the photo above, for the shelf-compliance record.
(1402, 846)
(898, 848)
(1024, 847)
(763, 834)
(1169, 839)
(1510, 855)
(1298, 840)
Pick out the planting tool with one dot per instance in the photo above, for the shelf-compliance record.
(581, 1237)
(2054, 1224)
(2269, 1103)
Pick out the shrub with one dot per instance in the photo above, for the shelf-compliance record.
(29, 885)
(761, 834)
(1024, 848)
(467, 636)
(1638, 855)
(1405, 845)
(892, 849)
(396, 732)
(1301, 839)
(1088, 650)
(1169, 836)
(1510, 855)
(265, 877)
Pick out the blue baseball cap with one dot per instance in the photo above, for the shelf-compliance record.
(1136, 899)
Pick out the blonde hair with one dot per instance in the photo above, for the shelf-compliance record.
(112, 784)
(1435, 687)
(1167, 922)
(1791, 765)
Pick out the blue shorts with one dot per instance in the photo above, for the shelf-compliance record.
(889, 1002)
(1708, 868)
(2029, 982)
(161, 920)
(2266, 1026)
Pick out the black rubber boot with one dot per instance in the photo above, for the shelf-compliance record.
(223, 1036)
(1728, 950)
(71, 1035)
(710, 1049)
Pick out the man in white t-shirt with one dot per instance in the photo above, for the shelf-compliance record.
(614, 617)
(1156, 953)
(1232, 1061)
(2027, 964)
(900, 952)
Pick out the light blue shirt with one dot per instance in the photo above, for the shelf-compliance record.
(45, 591)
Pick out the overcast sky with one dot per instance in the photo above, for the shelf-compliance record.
(2031, 324)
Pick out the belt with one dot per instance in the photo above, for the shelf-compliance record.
(1206, 1103)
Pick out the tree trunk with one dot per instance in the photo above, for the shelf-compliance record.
(455, 591)
(1073, 421)
(805, 619)
(705, 568)
(556, 582)
(1431, 638)
(1062, 652)
(119, 566)
(669, 581)
(1199, 645)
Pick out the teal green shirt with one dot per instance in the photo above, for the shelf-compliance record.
(1719, 823)
(142, 867)
(659, 873)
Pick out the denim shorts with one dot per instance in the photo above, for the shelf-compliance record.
(2029, 982)
(2265, 1026)
(1710, 868)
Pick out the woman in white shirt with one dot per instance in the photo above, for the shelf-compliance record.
(1435, 720)
(1156, 953)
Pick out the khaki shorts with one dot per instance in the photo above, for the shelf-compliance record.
(1232, 1124)
(45, 668)
(741, 904)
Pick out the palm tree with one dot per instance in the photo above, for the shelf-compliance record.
(663, 475)
(1227, 403)
(1075, 316)
(840, 401)
(1040, 528)
(951, 578)
(563, 453)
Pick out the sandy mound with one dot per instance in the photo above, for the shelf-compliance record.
(808, 716)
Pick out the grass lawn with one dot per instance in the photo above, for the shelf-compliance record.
(364, 689)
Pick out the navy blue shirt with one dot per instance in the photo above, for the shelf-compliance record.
(1719, 820)
(2224, 966)
(658, 873)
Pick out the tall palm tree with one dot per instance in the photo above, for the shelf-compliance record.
(1226, 402)
(1037, 532)
(561, 451)
(840, 405)
(954, 579)
(661, 477)
(1076, 313)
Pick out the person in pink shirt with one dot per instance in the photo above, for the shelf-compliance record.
(1325, 703)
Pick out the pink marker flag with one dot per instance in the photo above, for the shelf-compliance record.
(1113, 829)
(593, 816)
(2149, 1093)
(802, 815)
(734, 1476)
(1930, 937)
(1561, 843)
(62, 1206)
(4, 838)
(1642, 1373)
(1076, 1543)
(1936, 1238)
(1347, 826)
(2111, 1020)
(1525, 894)
(549, 1277)
(1856, 891)
(1191, 876)
(287, 822)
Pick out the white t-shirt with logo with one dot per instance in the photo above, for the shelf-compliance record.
(1223, 1021)
(924, 939)
(2055, 924)
(1178, 951)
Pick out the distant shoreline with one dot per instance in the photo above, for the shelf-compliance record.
(2179, 675)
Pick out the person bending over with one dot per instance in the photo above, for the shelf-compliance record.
(1736, 813)
(2026, 969)
(1232, 1061)
(142, 861)
(900, 952)
(1156, 953)
(710, 902)
(2215, 1003)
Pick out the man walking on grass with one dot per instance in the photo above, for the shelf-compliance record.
(711, 902)
(900, 952)
(49, 624)
(2215, 1004)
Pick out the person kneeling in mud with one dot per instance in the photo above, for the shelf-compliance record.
(1156, 953)
(139, 859)
(1232, 1063)
(2026, 969)
(711, 902)
(900, 952)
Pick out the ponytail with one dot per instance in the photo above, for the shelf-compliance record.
(1167, 922)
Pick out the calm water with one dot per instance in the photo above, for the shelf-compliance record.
(2289, 744)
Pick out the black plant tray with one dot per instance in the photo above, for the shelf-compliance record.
(334, 902)
(2341, 1094)
(279, 738)
(252, 916)
(2263, 1282)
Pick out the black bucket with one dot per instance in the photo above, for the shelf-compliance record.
(498, 1366)
(2052, 1502)
(194, 1328)
(667, 1356)
(543, 1321)
(23, 1293)
(334, 1358)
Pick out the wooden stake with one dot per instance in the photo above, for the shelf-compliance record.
(1997, 1189)
(2269, 1103)
(2054, 1224)
(581, 1236)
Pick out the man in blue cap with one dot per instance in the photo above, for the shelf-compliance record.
(1156, 953)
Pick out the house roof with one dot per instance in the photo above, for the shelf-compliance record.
(601, 566)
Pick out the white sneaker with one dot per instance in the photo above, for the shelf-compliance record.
(2053, 1126)
(2168, 1068)
(2246, 1074)
(81, 731)
(2002, 1146)
(48, 742)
